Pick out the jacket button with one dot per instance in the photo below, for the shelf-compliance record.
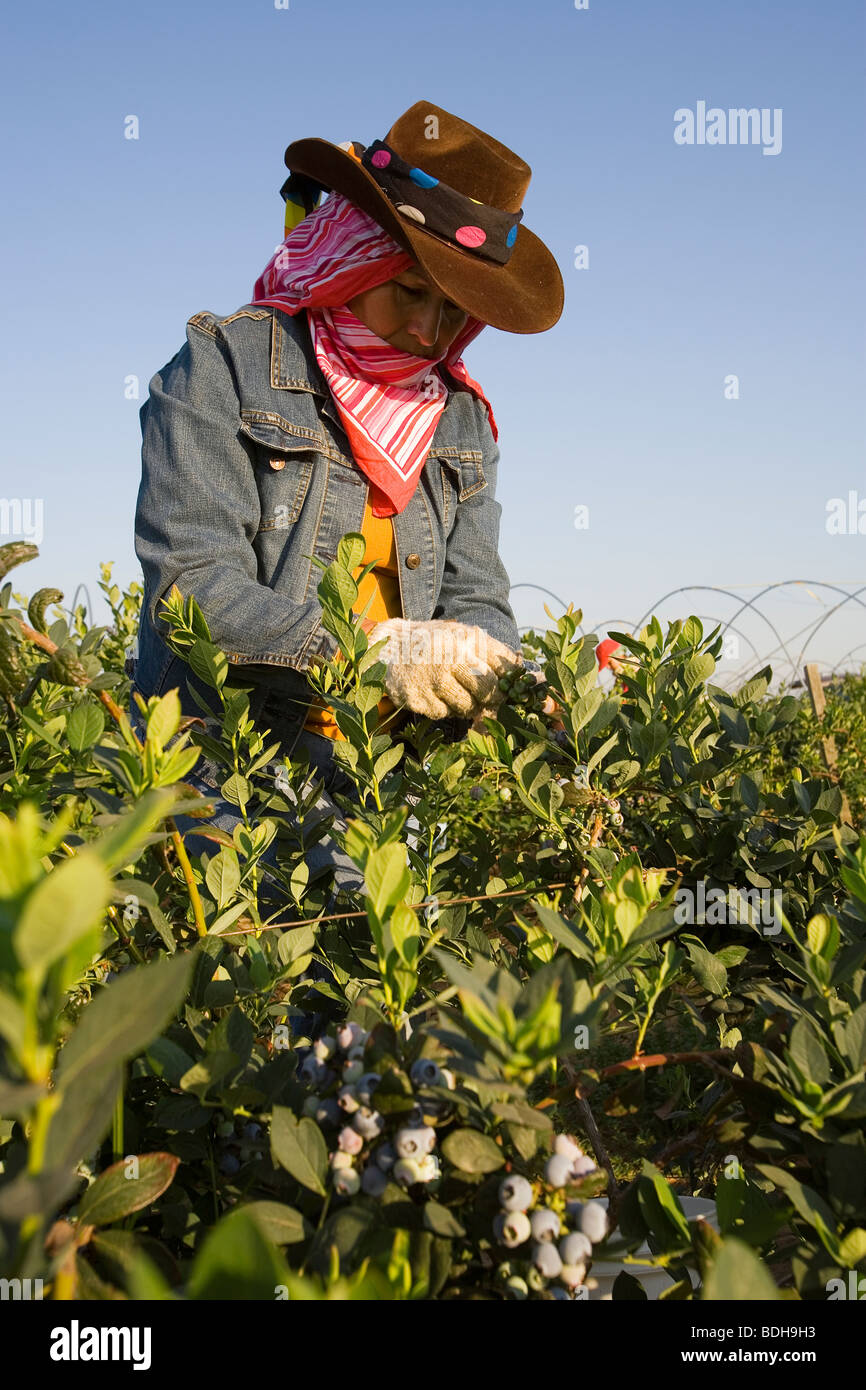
(278, 463)
(413, 561)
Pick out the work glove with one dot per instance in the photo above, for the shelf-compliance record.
(443, 668)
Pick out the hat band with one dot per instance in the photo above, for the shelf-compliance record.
(482, 230)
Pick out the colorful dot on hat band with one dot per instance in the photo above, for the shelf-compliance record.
(471, 236)
(414, 213)
(512, 236)
(423, 180)
(381, 158)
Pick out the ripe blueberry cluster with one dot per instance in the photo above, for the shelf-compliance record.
(554, 1235)
(371, 1149)
(237, 1143)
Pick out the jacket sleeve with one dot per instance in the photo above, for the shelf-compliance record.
(198, 513)
(475, 584)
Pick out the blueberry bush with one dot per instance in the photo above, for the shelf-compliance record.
(597, 962)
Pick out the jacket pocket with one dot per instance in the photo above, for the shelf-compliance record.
(466, 468)
(462, 477)
(285, 457)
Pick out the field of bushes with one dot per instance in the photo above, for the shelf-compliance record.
(601, 962)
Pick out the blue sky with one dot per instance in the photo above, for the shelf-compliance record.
(704, 261)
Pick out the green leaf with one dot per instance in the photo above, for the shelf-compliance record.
(442, 1221)
(852, 1249)
(279, 1224)
(665, 1199)
(808, 1204)
(707, 969)
(822, 934)
(854, 1035)
(738, 1276)
(805, 1049)
(164, 719)
(59, 910)
(208, 663)
(115, 1194)
(698, 669)
(350, 550)
(386, 877)
(84, 727)
(472, 1152)
(125, 1017)
(167, 1060)
(236, 1261)
(299, 1146)
(223, 876)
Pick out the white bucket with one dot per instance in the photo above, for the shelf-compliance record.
(653, 1278)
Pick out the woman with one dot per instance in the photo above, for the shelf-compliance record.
(337, 400)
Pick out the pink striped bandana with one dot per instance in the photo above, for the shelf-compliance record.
(389, 401)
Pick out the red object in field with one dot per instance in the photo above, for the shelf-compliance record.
(604, 651)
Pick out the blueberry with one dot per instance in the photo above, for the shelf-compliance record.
(593, 1221)
(557, 1170)
(515, 1193)
(349, 1034)
(425, 1072)
(385, 1157)
(517, 1287)
(324, 1048)
(366, 1085)
(476, 793)
(545, 1258)
(229, 1164)
(545, 1224)
(350, 1141)
(347, 1099)
(373, 1181)
(251, 1131)
(312, 1070)
(575, 1248)
(505, 794)
(327, 1112)
(352, 1073)
(512, 1228)
(408, 1171)
(582, 1166)
(573, 1275)
(559, 1295)
(368, 1123)
(339, 1159)
(347, 1182)
(226, 1129)
(429, 1170)
(564, 1144)
(415, 1142)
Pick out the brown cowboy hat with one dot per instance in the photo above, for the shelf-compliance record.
(451, 195)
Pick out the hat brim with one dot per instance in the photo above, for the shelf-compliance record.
(525, 295)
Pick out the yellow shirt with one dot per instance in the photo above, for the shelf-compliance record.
(382, 585)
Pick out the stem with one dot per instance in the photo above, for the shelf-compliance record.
(192, 887)
(117, 1127)
(125, 941)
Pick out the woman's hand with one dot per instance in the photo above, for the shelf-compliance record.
(442, 668)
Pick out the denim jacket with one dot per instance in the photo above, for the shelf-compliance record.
(247, 473)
